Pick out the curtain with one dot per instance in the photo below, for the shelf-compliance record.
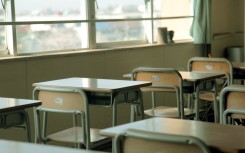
(201, 25)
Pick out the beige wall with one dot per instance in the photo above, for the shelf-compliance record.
(227, 25)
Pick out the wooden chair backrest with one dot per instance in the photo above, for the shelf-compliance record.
(163, 79)
(207, 64)
(236, 100)
(233, 97)
(58, 100)
(210, 66)
(147, 142)
(133, 145)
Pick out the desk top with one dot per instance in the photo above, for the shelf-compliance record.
(21, 147)
(194, 76)
(227, 138)
(12, 104)
(94, 85)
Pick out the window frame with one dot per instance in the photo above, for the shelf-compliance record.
(91, 30)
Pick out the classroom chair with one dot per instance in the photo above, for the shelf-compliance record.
(232, 105)
(166, 80)
(216, 65)
(66, 101)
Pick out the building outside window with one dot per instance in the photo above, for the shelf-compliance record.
(34, 26)
(123, 29)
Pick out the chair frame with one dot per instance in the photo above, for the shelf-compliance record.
(166, 87)
(224, 112)
(41, 136)
(160, 137)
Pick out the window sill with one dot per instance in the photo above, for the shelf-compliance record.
(7, 58)
(139, 45)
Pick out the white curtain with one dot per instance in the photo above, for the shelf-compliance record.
(201, 26)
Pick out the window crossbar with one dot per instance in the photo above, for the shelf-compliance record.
(89, 21)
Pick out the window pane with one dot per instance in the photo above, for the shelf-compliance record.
(123, 30)
(171, 8)
(119, 31)
(31, 10)
(48, 37)
(113, 9)
(1, 14)
(181, 28)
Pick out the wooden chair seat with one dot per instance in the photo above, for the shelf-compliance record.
(170, 112)
(75, 134)
(208, 97)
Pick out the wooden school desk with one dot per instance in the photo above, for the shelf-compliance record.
(16, 107)
(13, 104)
(105, 92)
(226, 138)
(21, 147)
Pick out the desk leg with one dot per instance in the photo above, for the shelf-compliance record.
(216, 105)
(132, 115)
(28, 126)
(141, 105)
(114, 113)
(114, 145)
(134, 107)
(37, 127)
(197, 102)
(133, 112)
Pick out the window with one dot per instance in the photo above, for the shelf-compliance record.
(34, 26)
